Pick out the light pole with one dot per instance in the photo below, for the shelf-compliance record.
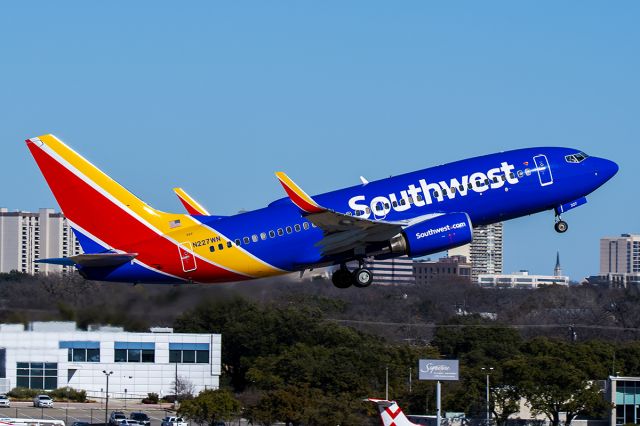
(488, 370)
(106, 401)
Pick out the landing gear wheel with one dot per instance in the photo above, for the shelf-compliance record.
(362, 277)
(342, 278)
(561, 226)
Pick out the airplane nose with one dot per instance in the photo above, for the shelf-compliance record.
(606, 169)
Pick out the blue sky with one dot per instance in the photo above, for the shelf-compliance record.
(215, 97)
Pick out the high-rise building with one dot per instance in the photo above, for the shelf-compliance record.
(484, 252)
(620, 259)
(26, 237)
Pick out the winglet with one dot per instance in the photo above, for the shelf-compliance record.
(298, 196)
(192, 206)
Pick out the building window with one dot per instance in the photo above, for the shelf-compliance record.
(81, 351)
(189, 353)
(134, 352)
(37, 375)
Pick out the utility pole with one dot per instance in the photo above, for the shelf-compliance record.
(106, 401)
(488, 370)
(386, 393)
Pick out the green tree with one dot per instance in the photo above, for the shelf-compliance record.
(210, 406)
(553, 385)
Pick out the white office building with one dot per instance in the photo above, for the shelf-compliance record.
(26, 237)
(484, 252)
(395, 271)
(54, 355)
(522, 280)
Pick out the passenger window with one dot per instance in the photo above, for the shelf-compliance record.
(254, 238)
(263, 236)
(348, 213)
(288, 228)
(212, 249)
(229, 244)
(527, 172)
(504, 177)
(495, 179)
(379, 207)
(461, 188)
(368, 210)
(410, 200)
(245, 240)
(395, 204)
(470, 185)
(237, 241)
(297, 227)
(520, 173)
(436, 194)
(511, 175)
(305, 225)
(280, 232)
(487, 182)
(314, 225)
(453, 189)
(220, 246)
(272, 234)
(403, 202)
(386, 205)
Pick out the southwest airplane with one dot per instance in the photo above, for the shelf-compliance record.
(415, 214)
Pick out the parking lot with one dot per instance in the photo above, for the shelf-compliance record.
(88, 412)
(93, 412)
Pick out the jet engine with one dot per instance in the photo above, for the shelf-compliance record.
(433, 235)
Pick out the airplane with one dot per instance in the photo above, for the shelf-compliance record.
(390, 413)
(414, 214)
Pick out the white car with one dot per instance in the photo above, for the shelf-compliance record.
(173, 421)
(128, 422)
(42, 401)
(4, 401)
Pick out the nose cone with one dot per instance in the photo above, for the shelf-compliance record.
(605, 169)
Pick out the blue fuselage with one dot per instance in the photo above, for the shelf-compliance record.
(490, 188)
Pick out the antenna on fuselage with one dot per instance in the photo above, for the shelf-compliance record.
(363, 180)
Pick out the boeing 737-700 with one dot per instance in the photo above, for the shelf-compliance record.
(415, 214)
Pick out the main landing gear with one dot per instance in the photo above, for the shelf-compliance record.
(561, 226)
(360, 277)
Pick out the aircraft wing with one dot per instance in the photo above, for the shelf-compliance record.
(342, 232)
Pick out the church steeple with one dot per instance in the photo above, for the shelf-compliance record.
(557, 271)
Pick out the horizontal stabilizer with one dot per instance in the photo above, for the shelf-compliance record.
(92, 260)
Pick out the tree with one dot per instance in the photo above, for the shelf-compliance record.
(183, 388)
(210, 406)
(504, 401)
(553, 385)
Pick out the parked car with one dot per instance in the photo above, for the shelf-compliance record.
(141, 418)
(128, 422)
(173, 421)
(81, 424)
(42, 401)
(116, 417)
(4, 401)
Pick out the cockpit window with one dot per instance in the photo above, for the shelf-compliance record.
(578, 157)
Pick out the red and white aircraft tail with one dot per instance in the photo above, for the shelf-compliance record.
(390, 413)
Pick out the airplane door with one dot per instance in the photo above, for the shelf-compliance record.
(544, 171)
(185, 250)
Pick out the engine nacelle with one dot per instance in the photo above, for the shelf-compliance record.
(434, 235)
